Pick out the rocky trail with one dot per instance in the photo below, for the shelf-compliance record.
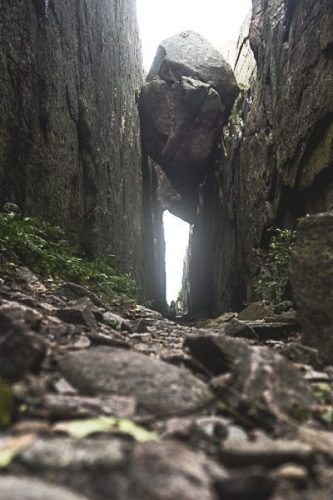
(122, 403)
(105, 399)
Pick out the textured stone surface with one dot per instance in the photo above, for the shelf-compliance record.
(264, 451)
(190, 54)
(162, 471)
(263, 386)
(150, 471)
(188, 94)
(237, 328)
(255, 388)
(180, 124)
(159, 388)
(240, 56)
(69, 122)
(80, 312)
(255, 311)
(278, 144)
(312, 281)
(153, 237)
(32, 489)
(64, 454)
(21, 351)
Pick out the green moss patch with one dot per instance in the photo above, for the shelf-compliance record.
(45, 250)
(274, 276)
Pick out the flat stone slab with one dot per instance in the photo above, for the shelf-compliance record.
(240, 452)
(124, 470)
(159, 388)
(254, 381)
(70, 455)
(24, 488)
(168, 470)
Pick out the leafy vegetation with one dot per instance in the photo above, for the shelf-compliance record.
(274, 277)
(44, 249)
(324, 396)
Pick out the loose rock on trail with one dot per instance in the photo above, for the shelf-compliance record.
(122, 403)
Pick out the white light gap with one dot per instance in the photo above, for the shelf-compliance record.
(176, 237)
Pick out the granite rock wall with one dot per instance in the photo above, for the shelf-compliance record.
(276, 160)
(70, 147)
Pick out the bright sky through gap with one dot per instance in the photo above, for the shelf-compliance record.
(176, 237)
(217, 20)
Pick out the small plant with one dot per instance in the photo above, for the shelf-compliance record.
(112, 322)
(44, 249)
(273, 281)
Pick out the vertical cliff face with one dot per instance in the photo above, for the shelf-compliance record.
(276, 163)
(69, 131)
(154, 241)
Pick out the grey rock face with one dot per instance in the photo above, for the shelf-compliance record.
(21, 351)
(69, 129)
(80, 312)
(124, 470)
(70, 455)
(264, 451)
(278, 162)
(188, 95)
(32, 489)
(160, 388)
(255, 311)
(190, 54)
(179, 124)
(240, 56)
(312, 281)
(170, 113)
(262, 386)
(237, 328)
(167, 470)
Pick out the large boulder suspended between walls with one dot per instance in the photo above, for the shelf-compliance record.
(186, 99)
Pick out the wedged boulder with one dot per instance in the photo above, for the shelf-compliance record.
(179, 123)
(254, 382)
(190, 54)
(159, 388)
(311, 275)
(171, 200)
(187, 97)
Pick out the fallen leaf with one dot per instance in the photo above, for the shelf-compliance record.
(10, 448)
(139, 433)
(82, 428)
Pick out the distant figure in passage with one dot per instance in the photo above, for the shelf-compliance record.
(172, 310)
